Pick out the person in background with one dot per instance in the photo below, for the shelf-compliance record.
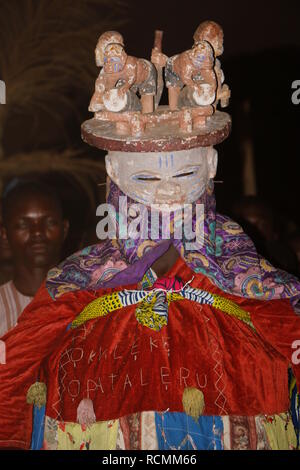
(35, 229)
(6, 267)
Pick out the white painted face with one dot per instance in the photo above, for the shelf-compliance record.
(163, 178)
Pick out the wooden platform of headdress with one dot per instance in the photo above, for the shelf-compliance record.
(161, 133)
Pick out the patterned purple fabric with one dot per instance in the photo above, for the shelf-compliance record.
(227, 257)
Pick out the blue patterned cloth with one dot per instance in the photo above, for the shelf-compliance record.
(37, 438)
(178, 431)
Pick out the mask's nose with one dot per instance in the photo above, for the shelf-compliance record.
(168, 191)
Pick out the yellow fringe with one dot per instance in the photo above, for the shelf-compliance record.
(37, 394)
(193, 402)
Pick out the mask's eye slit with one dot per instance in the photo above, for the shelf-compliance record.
(145, 178)
(187, 173)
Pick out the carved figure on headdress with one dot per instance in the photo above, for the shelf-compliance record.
(190, 77)
(213, 33)
(121, 78)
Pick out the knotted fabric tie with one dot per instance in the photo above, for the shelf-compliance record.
(153, 304)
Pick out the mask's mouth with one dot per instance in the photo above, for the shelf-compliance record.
(166, 199)
(168, 207)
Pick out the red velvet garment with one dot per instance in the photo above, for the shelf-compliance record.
(124, 367)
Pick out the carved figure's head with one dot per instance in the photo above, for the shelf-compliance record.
(114, 58)
(211, 32)
(202, 55)
(109, 37)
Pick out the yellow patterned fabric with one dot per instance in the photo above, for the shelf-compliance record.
(280, 432)
(99, 436)
(174, 296)
(147, 317)
(232, 309)
(98, 308)
(152, 310)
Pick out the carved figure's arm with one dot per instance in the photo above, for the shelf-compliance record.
(185, 69)
(100, 84)
(129, 75)
(209, 77)
(158, 58)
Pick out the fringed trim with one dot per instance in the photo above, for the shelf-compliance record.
(193, 402)
(37, 394)
(85, 412)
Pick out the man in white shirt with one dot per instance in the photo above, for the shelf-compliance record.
(34, 226)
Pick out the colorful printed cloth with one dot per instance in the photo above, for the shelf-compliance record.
(227, 256)
(177, 431)
(174, 431)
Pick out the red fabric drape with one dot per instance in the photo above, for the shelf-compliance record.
(124, 367)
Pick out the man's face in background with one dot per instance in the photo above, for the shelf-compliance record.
(35, 230)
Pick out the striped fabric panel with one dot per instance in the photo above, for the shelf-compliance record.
(161, 304)
(12, 304)
(130, 297)
(197, 295)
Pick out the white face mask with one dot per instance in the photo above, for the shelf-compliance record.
(178, 177)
